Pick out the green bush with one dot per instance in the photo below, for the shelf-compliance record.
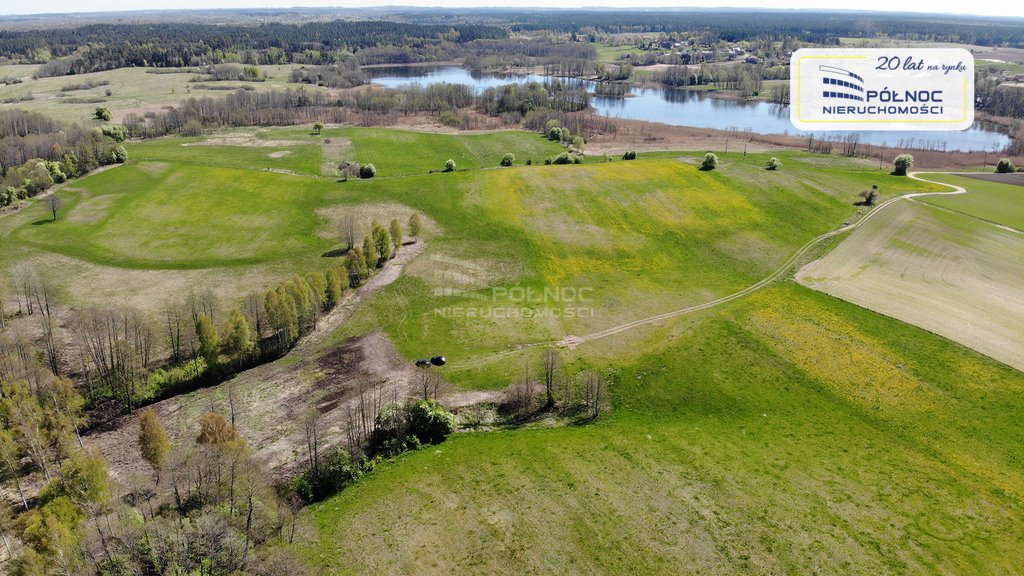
(114, 131)
(548, 160)
(102, 114)
(902, 164)
(449, 165)
(367, 171)
(710, 162)
(773, 164)
(508, 159)
(118, 155)
(1004, 166)
(429, 422)
(563, 158)
(629, 155)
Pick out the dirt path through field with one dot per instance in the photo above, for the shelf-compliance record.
(572, 341)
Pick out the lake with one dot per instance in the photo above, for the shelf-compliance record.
(680, 107)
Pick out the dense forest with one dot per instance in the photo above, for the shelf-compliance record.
(818, 27)
(174, 45)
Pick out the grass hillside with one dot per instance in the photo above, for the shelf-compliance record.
(786, 433)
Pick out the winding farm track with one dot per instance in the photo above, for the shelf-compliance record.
(574, 341)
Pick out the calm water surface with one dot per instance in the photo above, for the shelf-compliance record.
(691, 108)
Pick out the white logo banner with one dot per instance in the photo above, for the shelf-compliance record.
(882, 89)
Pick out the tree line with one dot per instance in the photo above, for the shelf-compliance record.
(512, 103)
(735, 25)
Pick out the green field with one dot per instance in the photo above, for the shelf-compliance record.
(787, 434)
(991, 201)
(784, 432)
(236, 211)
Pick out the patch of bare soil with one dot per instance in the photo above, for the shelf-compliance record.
(279, 154)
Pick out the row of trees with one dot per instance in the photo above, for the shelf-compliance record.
(550, 388)
(532, 105)
(41, 416)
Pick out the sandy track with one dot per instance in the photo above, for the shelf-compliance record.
(572, 341)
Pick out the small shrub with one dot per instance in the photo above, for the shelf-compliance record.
(508, 159)
(902, 164)
(429, 422)
(710, 162)
(563, 158)
(1004, 166)
(529, 161)
(449, 165)
(629, 155)
(367, 171)
(103, 114)
(577, 159)
(548, 160)
(773, 164)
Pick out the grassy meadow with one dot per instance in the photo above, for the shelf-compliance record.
(131, 90)
(789, 433)
(785, 432)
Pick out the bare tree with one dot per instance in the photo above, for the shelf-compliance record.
(552, 365)
(119, 346)
(594, 391)
(312, 429)
(24, 276)
(53, 204)
(257, 315)
(348, 230)
(6, 522)
(174, 325)
(10, 462)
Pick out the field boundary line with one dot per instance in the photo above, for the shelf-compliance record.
(572, 341)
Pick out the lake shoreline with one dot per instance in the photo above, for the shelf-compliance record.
(702, 108)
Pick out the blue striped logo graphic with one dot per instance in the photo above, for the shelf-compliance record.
(841, 84)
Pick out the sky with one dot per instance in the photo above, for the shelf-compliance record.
(1001, 8)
